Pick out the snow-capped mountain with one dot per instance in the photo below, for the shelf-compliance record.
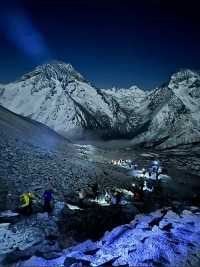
(128, 98)
(57, 95)
(174, 110)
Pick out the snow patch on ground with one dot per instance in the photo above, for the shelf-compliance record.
(161, 238)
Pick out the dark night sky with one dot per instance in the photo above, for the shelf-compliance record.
(112, 43)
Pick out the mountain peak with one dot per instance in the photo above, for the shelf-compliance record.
(184, 74)
(57, 65)
(119, 89)
(183, 79)
(135, 87)
(57, 70)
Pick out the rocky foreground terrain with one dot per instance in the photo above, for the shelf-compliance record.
(161, 238)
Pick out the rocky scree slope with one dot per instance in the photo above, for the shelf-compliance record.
(27, 162)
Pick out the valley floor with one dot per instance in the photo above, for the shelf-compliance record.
(163, 233)
(181, 163)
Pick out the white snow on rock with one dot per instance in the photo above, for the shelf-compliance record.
(21, 239)
(127, 98)
(57, 95)
(161, 238)
(174, 112)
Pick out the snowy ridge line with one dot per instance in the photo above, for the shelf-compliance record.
(58, 96)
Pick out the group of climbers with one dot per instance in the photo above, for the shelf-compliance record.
(124, 163)
(84, 194)
(27, 199)
(153, 171)
(113, 197)
(146, 186)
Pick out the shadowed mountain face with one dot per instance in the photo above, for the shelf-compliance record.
(29, 131)
(58, 96)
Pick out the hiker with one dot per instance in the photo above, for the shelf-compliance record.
(147, 187)
(95, 190)
(48, 197)
(135, 166)
(81, 196)
(129, 163)
(137, 193)
(107, 197)
(118, 196)
(156, 162)
(113, 199)
(158, 187)
(120, 162)
(143, 172)
(150, 172)
(157, 175)
(155, 165)
(91, 192)
(26, 200)
(156, 168)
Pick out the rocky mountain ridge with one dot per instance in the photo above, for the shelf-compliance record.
(58, 96)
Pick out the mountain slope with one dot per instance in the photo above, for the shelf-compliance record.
(34, 158)
(127, 98)
(56, 95)
(29, 131)
(174, 110)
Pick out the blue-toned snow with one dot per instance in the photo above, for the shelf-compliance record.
(173, 241)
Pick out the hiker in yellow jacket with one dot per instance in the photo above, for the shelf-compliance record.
(26, 200)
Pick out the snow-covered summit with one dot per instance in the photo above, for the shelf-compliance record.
(184, 75)
(57, 95)
(55, 70)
